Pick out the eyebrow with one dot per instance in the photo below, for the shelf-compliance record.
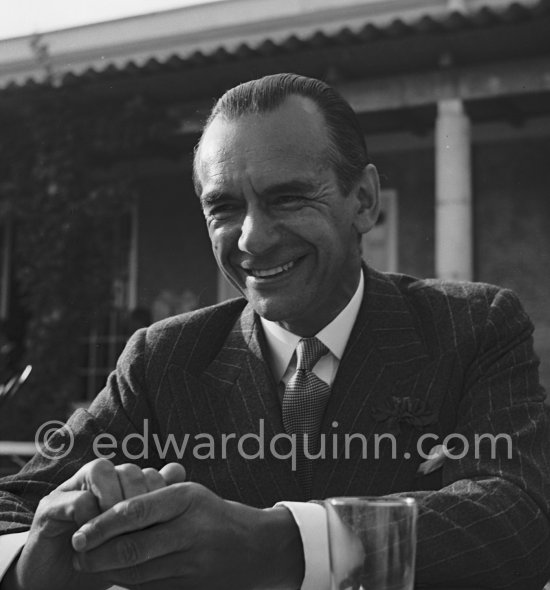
(212, 197)
(291, 186)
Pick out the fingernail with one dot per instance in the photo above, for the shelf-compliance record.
(79, 541)
(76, 563)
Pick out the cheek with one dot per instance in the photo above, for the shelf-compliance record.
(222, 242)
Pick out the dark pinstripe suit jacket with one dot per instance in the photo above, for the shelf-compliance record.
(423, 357)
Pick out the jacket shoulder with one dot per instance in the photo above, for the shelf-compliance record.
(191, 340)
(212, 318)
(446, 293)
(450, 312)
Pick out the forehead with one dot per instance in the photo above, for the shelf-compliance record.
(292, 141)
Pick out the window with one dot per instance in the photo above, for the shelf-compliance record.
(101, 348)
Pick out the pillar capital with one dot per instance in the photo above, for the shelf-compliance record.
(450, 106)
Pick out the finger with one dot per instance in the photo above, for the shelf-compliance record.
(137, 513)
(131, 550)
(132, 480)
(169, 568)
(154, 479)
(85, 508)
(98, 476)
(79, 480)
(61, 510)
(102, 480)
(173, 473)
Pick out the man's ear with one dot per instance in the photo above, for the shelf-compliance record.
(368, 197)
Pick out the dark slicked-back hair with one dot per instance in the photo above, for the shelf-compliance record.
(347, 147)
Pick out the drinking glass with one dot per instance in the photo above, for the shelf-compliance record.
(372, 542)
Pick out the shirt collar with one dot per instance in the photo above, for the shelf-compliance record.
(281, 343)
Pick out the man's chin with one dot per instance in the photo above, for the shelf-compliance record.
(272, 309)
(294, 316)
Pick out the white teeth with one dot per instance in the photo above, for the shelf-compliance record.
(269, 272)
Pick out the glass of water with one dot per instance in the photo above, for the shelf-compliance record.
(372, 542)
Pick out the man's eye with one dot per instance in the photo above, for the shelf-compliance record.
(290, 200)
(221, 211)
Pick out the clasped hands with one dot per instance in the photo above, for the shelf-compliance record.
(149, 529)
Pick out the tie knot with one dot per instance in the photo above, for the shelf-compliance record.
(308, 352)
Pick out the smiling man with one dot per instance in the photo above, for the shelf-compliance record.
(320, 345)
(282, 228)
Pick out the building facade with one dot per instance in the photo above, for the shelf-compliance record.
(454, 97)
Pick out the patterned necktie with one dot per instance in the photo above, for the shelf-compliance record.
(304, 403)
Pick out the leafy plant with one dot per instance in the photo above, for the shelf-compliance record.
(67, 205)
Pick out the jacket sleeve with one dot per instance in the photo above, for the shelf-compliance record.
(118, 410)
(489, 524)
(123, 420)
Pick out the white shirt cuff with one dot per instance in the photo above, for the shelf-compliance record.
(10, 547)
(312, 521)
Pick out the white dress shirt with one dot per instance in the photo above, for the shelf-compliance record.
(311, 517)
(10, 547)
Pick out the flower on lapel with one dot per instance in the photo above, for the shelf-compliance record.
(435, 460)
(394, 411)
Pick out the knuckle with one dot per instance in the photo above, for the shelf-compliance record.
(130, 576)
(153, 478)
(44, 506)
(130, 471)
(191, 488)
(45, 501)
(195, 491)
(101, 463)
(94, 529)
(135, 510)
(100, 468)
(133, 577)
(128, 553)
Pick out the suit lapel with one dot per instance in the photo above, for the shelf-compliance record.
(238, 395)
(384, 358)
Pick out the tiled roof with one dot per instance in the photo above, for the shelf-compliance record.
(483, 20)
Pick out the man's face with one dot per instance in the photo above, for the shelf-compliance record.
(281, 230)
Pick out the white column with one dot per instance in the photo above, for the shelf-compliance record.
(453, 215)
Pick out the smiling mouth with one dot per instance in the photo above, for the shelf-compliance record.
(268, 273)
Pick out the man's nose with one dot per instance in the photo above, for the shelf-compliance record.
(258, 232)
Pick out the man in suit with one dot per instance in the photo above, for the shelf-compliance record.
(287, 192)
